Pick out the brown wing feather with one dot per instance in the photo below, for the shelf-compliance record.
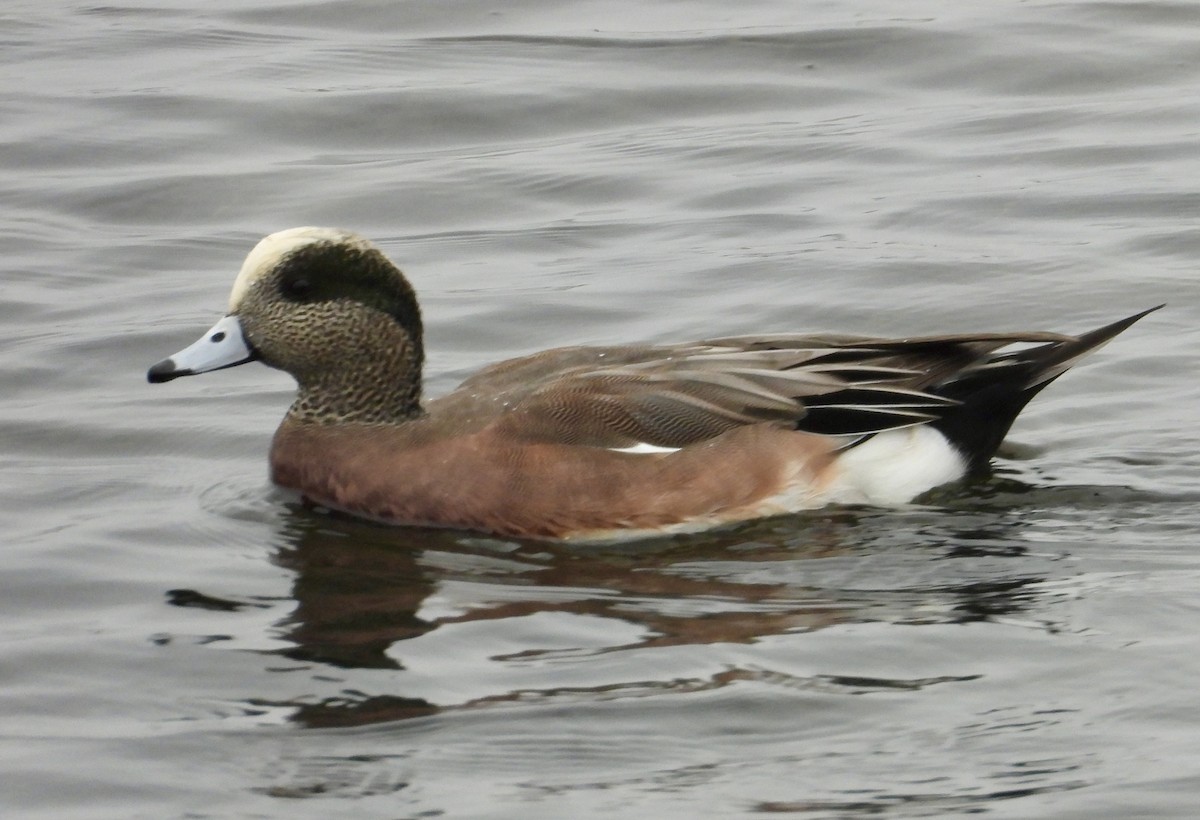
(688, 395)
(822, 383)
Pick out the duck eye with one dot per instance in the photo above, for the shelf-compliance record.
(297, 288)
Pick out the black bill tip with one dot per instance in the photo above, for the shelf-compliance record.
(164, 371)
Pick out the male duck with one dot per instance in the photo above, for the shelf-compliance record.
(587, 442)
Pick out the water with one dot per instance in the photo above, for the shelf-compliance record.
(180, 641)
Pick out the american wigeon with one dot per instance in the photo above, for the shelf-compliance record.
(586, 442)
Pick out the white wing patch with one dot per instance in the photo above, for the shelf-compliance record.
(641, 448)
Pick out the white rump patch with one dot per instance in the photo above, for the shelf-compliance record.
(271, 249)
(641, 448)
(895, 467)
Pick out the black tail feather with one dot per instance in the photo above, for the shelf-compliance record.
(992, 394)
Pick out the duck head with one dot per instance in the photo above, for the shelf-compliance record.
(331, 309)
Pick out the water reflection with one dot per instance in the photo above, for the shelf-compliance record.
(362, 591)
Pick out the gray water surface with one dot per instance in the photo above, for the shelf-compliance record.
(178, 639)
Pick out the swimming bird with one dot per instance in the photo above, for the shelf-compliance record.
(595, 442)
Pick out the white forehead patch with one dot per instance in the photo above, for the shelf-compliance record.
(271, 249)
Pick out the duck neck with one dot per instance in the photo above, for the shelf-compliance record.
(384, 390)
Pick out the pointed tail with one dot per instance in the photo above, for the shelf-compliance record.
(995, 391)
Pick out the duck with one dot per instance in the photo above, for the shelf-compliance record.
(605, 442)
